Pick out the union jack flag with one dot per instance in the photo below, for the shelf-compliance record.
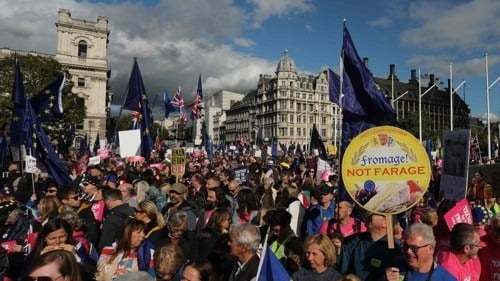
(183, 114)
(177, 99)
(197, 105)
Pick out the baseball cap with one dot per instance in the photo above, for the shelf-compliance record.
(178, 187)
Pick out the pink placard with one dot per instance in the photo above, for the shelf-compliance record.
(459, 213)
(98, 210)
(104, 154)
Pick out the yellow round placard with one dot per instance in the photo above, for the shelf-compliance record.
(386, 170)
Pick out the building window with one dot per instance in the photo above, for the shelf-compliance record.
(282, 93)
(304, 96)
(291, 104)
(283, 83)
(291, 132)
(311, 107)
(81, 82)
(291, 84)
(304, 106)
(323, 120)
(298, 132)
(311, 119)
(323, 108)
(311, 96)
(323, 132)
(82, 49)
(297, 95)
(283, 104)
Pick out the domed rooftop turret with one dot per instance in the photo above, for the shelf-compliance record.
(286, 63)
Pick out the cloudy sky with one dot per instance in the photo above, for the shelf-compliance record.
(231, 42)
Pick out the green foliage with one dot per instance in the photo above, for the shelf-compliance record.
(410, 124)
(38, 72)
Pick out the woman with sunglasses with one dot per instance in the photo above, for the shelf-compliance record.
(57, 265)
(131, 253)
(148, 213)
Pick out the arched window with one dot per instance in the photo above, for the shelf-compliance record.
(82, 49)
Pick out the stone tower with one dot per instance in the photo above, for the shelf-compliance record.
(82, 50)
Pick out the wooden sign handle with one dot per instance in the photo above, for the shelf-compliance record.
(390, 231)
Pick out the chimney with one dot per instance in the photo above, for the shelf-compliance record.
(365, 62)
(413, 76)
(432, 79)
(392, 72)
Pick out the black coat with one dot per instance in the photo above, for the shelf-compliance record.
(112, 227)
(188, 242)
(248, 272)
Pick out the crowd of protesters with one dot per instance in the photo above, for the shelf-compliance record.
(125, 220)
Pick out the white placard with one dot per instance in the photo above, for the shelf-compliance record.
(232, 147)
(258, 153)
(130, 143)
(30, 164)
(96, 160)
(189, 150)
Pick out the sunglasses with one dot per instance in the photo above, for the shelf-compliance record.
(85, 183)
(414, 248)
(140, 211)
(51, 190)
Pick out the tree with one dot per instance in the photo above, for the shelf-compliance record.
(410, 124)
(39, 71)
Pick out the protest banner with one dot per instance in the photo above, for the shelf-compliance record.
(96, 160)
(240, 174)
(178, 161)
(461, 212)
(130, 143)
(386, 170)
(30, 164)
(455, 164)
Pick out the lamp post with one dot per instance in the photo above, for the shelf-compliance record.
(488, 86)
(420, 95)
(451, 95)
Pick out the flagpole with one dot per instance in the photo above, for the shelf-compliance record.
(451, 97)
(123, 104)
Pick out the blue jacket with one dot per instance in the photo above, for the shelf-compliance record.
(316, 215)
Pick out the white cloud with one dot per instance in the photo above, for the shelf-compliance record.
(308, 27)
(381, 22)
(265, 9)
(244, 42)
(463, 67)
(445, 24)
(174, 41)
(493, 117)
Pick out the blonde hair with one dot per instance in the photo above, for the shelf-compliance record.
(47, 205)
(141, 188)
(325, 245)
(151, 211)
(168, 258)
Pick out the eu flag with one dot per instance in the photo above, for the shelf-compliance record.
(169, 108)
(48, 102)
(19, 101)
(363, 104)
(136, 100)
(274, 148)
(270, 268)
(317, 143)
(38, 144)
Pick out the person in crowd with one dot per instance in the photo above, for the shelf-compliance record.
(225, 178)
(480, 191)
(490, 254)
(79, 233)
(128, 194)
(216, 199)
(56, 265)
(139, 190)
(248, 207)
(418, 262)
(47, 208)
(90, 185)
(57, 234)
(461, 259)
(131, 253)
(244, 240)
(176, 232)
(337, 240)
(168, 262)
(343, 222)
(199, 270)
(110, 178)
(213, 182)
(279, 223)
(118, 212)
(177, 201)
(147, 212)
(366, 254)
(72, 199)
(198, 191)
(321, 212)
(320, 260)
(213, 242)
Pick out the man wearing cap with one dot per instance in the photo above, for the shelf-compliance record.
(321, 212)
(177, 201)
(90, 185)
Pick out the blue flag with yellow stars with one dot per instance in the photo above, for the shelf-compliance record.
(19, 101)
(38, 145)
(136, 100)
(47, 104)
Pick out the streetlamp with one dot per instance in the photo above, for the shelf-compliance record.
(488, 86)
(451, 95)
(420, 95)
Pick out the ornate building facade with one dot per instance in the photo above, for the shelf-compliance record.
(286, 105)
(82, 50)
